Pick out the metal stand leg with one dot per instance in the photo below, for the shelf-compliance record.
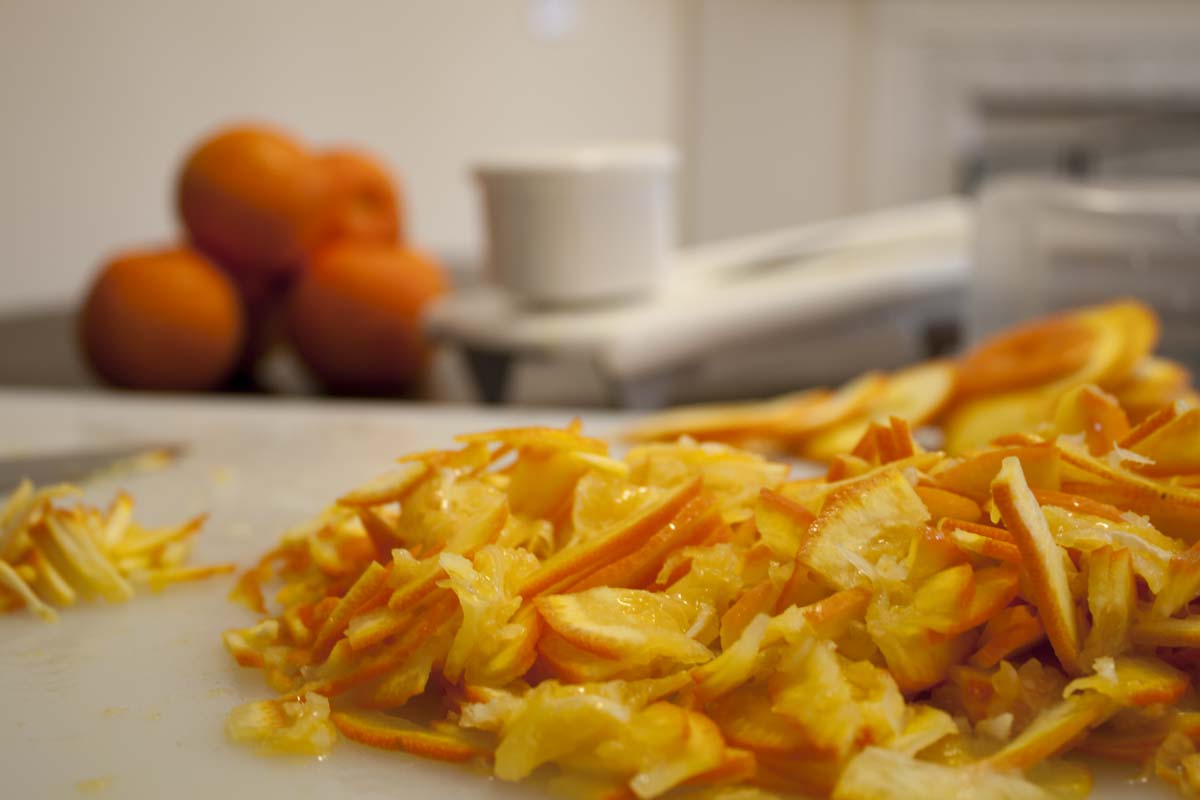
(643, 393)
(491, 371)
(942, 337)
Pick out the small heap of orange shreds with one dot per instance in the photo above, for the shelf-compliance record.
(693, 616)
(54, 555)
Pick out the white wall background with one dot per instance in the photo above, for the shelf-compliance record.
(100, 99)
(775, 115)
(785, 110)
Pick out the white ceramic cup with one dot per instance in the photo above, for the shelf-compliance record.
(568, 227)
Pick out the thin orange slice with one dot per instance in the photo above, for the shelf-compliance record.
(1041, 559)
(572, 563)
(387, 733)
(1028, 355)
(630, 624)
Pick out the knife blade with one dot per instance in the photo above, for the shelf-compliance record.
(76, 465)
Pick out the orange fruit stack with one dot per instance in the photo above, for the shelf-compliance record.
(279, 238)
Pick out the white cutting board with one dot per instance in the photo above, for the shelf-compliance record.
(133, 698)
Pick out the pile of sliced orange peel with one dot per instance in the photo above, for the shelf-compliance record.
(51, 556)
(1010, 383)
(693, 616)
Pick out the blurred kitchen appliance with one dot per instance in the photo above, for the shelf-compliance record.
(1045, 244)
(1082, 136)
(831, 299)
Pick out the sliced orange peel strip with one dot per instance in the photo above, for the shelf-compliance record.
(691, 615)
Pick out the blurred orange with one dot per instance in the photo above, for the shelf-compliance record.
(251, 198)
(162, 319)
(362, 199)
(354, 316)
